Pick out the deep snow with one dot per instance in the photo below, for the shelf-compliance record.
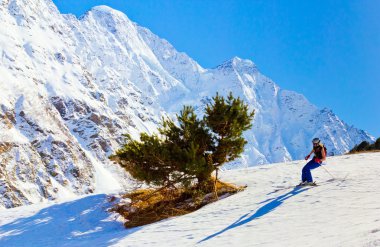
(340, 212)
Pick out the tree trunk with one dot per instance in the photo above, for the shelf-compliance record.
(205, 182)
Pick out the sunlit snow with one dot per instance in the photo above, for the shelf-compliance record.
(342, 211)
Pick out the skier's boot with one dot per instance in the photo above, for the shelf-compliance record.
(311, 184)
(303, 183)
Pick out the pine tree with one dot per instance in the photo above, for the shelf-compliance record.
(190, 150)
(377, 144)
(363, 146)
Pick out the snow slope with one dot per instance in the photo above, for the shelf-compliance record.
(340, 212)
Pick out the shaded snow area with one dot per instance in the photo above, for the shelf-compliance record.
(343, 211)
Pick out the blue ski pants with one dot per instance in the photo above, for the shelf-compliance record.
(306, 173)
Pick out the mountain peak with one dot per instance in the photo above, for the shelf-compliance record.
(237, 63)
(105, 9)
(108, 17)
(105, 12)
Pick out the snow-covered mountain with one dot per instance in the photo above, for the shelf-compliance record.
(69, 89)
(270, 212)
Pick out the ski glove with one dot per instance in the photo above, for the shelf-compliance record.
(307, 157)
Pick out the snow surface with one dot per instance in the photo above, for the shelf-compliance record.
(343, 211)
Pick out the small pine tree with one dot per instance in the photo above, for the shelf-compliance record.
(363, 146)
(191, 150)
(377, 144)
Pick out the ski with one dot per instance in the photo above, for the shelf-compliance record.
(303, 184)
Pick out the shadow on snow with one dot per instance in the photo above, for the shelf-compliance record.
(267, 208)
(82, 222)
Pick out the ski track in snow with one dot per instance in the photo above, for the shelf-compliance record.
(340, 212)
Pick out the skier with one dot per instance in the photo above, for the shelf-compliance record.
(319, 155)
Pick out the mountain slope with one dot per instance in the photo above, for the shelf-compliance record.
(270, 212)
(70, 88)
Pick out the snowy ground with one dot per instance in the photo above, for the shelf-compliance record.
(270, 212)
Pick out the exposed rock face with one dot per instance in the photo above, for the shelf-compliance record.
(69, 89)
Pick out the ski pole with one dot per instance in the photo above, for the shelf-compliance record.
(327, 171)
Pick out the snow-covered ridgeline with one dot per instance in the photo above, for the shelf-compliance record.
(69, 89)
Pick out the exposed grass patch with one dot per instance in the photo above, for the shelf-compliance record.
(5, 147)
(146, 206)
(364, 151)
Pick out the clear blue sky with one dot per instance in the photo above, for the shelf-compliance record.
(327, 50)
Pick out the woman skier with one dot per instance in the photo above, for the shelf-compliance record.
(319, 156)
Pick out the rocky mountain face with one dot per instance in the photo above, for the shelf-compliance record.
(70, 88)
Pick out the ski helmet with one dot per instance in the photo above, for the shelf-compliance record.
(316, 140)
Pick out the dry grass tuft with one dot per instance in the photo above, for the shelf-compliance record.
(149, 205)
(5, 147)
